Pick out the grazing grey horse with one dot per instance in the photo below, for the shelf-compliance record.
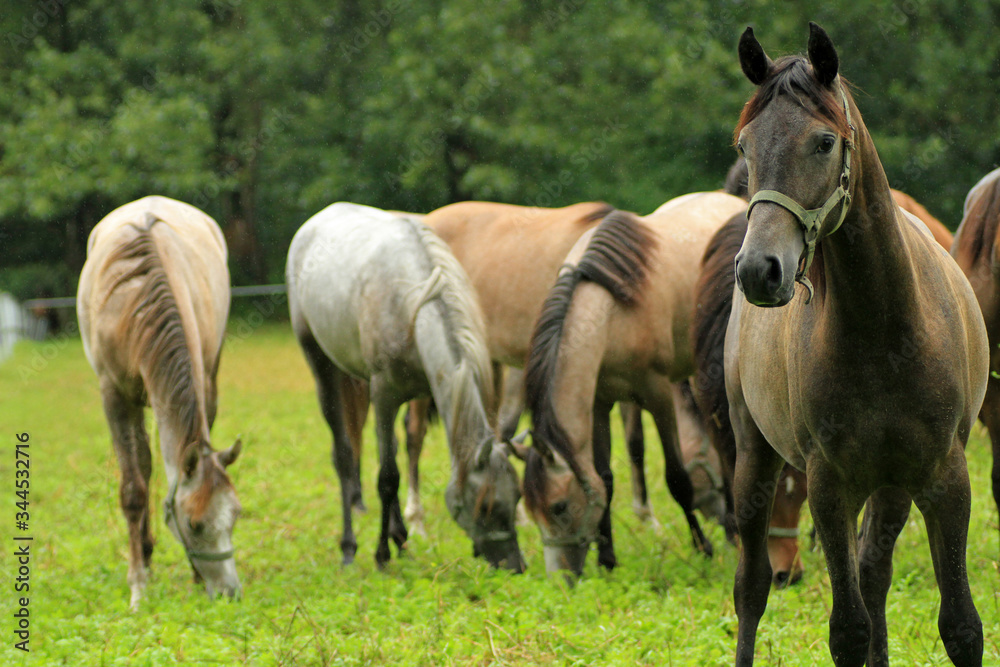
(379, 297)
(152, 302)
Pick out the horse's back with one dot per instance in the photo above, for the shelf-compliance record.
(657, 331)
(934, 226)
(350, 270)
(512, 255)
(189, 246)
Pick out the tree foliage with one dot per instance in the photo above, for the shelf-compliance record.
(263, 113)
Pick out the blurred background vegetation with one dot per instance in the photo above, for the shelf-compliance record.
(261, 113)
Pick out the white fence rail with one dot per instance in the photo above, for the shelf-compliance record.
(17, 321)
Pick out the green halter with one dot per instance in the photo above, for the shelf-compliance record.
(169, 512)
(812, 220)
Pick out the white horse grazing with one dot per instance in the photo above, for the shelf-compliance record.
(379, 297)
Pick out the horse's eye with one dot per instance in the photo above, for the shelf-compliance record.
(739, 147)
(826, 144)
(559, 508)
(196, 528)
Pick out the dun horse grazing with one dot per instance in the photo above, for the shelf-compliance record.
(977, 251)
(152, 302)
(868, 379)
(614, 327)
(489, 241)
(412, 328)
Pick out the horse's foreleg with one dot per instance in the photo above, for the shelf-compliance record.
(885, 516)
(416, 431)
(754, 484)
(386, 408)
(661, 406)
(602, 464)
(328, 388)
(512, 403)
(125, 420)
(945, 504)
(835, 513)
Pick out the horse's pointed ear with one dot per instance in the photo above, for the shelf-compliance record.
(542, 447)
(822, 55)
(483, 456)
(755, 63)
(190, 463)
(228, 456)
(517, 447)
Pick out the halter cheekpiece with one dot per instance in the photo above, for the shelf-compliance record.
(811, 220)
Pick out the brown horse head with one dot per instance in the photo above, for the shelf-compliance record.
(566, 500)
(201, 511)
(798, 117)
(783, 533)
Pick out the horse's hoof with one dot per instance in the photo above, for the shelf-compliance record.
(348, 559)
(382, 556)
(705, 547)
(417, 528)
(607, 561)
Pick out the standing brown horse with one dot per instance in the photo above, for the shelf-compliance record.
(869, 379)
(977, 251)
(714, 304)
(615, 327)
(152, 302)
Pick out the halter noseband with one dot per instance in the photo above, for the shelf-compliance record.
(169, 512)
(811, 220)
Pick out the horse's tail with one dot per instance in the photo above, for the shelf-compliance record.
(977, 242)
(617, 258)
(152, 323)
(713, 305)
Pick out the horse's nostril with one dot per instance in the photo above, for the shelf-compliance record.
(773, 275)
(781, 578)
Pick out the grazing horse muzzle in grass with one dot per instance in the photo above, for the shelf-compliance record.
(153, 302)
(818, 382)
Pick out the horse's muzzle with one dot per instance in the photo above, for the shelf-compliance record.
(504, 554)
(569, 558)
(762, 280)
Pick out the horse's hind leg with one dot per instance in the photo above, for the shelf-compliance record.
(636, 444)
(661, 405)
(945, 504)
(386, 407)
(885, 516)
(416, 431)
(835, 514)
(602, 464)
(128, 433)
(355, 393)
(328, 388)
(990, 415)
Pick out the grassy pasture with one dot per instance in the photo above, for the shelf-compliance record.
(436, 605)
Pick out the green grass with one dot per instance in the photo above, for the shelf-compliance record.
(437, 605)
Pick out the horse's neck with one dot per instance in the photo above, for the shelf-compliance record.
(452, 382)
(581, 353)
(869, 280)
(175, 432)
